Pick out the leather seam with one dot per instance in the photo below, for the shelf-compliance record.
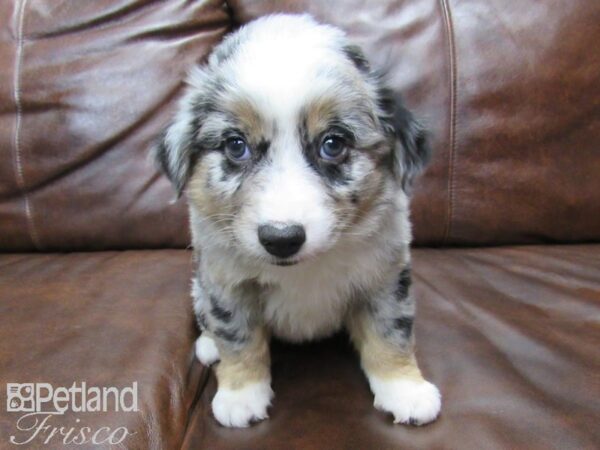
(18, 162)
(452, 58)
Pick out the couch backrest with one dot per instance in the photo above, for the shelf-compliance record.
(85, 87)
(510, 91)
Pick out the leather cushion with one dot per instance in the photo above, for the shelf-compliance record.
(510, 336)
(85, 88)
(108, 319)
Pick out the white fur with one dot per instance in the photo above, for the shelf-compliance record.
(239, 407)
(206, 350)
(308, 300)
(281, 73)
(292, 194)
(416, 402)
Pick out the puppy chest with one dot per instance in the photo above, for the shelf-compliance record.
(304, 314)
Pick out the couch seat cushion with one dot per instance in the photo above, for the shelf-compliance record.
(108, 319)
(510, 335)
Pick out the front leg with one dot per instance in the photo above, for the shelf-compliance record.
(381, 329)
(232, 334)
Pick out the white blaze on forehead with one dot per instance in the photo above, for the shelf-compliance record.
(284, 61)
(293, 193)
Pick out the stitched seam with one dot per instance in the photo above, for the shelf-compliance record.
(18, 163)
(452, 128)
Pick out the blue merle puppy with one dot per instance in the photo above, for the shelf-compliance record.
(296, 162)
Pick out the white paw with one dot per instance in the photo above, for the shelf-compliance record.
(206, 350)
(413, 402)
(240, 407)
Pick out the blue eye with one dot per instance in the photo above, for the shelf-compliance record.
(333, 149)
(237, 150)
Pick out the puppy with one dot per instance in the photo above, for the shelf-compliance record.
(297, 161)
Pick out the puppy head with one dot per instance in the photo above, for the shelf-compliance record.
(286, 140)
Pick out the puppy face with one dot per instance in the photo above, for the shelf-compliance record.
(286, 141)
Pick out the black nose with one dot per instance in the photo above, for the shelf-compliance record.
(282, 241)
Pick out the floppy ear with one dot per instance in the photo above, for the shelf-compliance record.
(175, 151)
(411, 151)
(177, 148)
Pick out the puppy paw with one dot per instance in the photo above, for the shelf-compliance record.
(411, 402)
(238, 408)
(206, 350)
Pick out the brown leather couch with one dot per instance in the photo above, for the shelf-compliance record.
(95, 269)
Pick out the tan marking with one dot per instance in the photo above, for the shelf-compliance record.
(369, 195)
(249, 365)
(201, 197)
(318, 116)
(250, 120)
(378, 357)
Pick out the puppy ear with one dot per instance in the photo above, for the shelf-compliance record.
(177, 149)
(411, 151)
(174, 152)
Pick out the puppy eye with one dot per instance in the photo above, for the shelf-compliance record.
(333, 149)
(237, 149)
